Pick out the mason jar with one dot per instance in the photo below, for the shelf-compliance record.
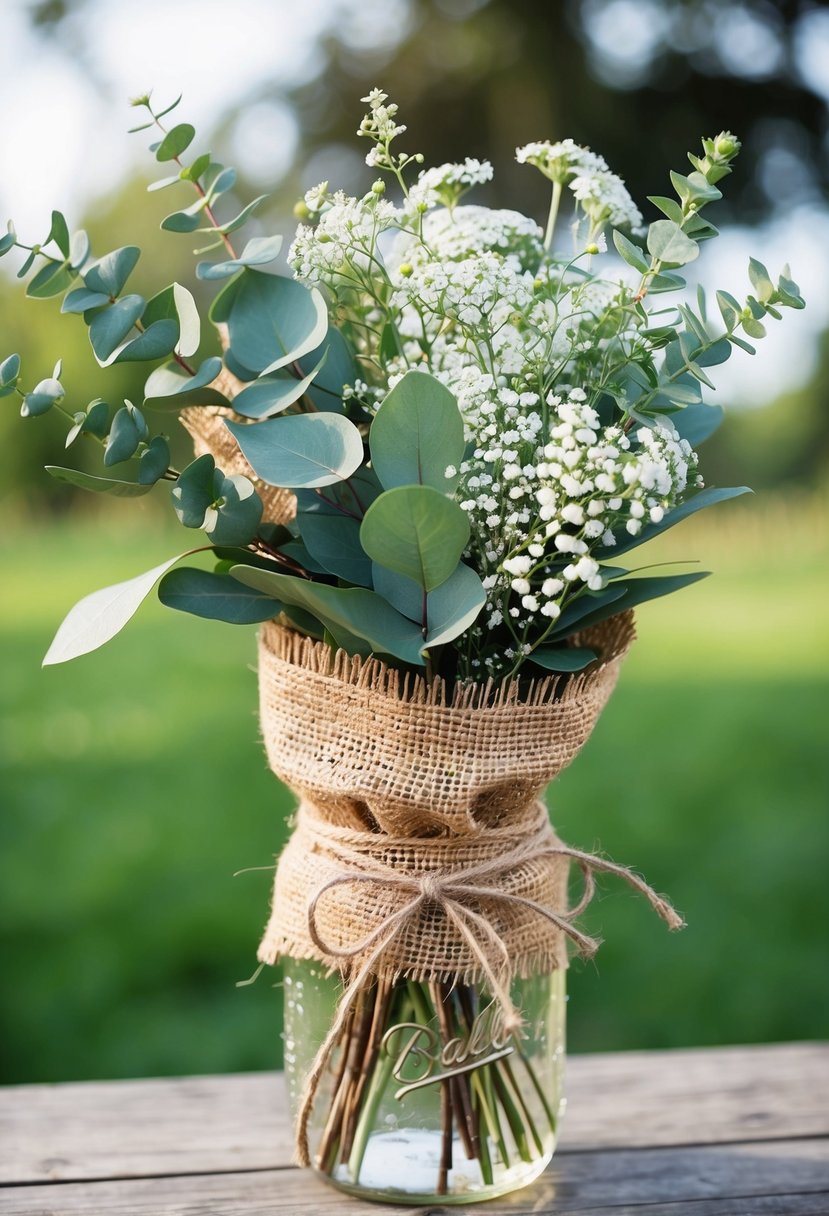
(426, 1098)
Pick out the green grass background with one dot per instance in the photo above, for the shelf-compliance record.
(134, 784)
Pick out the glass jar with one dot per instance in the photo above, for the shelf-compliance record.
(425, 1099)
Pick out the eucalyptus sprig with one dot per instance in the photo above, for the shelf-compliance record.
(474, 424)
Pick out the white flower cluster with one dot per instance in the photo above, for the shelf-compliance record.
(602, 194)
(478, 291)
(451, 236)
(346, 233)
(539, 510)
(445, 184)
(381, 126)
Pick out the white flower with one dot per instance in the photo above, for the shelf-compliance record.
(520, 586)
(530, 602)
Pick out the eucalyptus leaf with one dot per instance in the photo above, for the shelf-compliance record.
(109, 274)
(272, 394)
(154, 461)
(42, 397)
(361, 612)
(258, 252)
(630, 253)
(59, 233)
(99, 617)
(668, 243)
(217, 597)
(417, 434)
(449, 610)
(51, 280)
(415, 531)
(111, 325)
(301, 450)
(698, 422)
(183, 221)
(638, 591)
(274, 320)
(157, 341)
(708, 497)
(176, 141)
(337, 368)
(334, 540)
(244, 215)
(193, 492)
(562, 658)
(233, 516)
(99, 485)
(9, 370)
(168, 385)
(124, 437)
(82, 300)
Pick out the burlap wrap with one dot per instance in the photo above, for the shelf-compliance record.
(399, 779)
(206, 427)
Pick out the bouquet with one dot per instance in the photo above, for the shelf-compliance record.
(420, 457)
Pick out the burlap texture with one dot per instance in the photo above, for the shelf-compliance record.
(206, 427)
(377, 751)
(397, 776)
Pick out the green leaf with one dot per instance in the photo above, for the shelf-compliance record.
(258, 252)
(308, 450)
(668, 206)
(9, 370)
(110, 326)
(708, 497)
(668, 243)
(188, 320)
(78, 249)
(124, 437)
(183, 221)
(586, 605)
(356, 610)
(192, 173)
(8, 241)
(217, 597)
(233, 516)
(562, 658)
(630, 253)
(99, 617)
(169, 385)
(163, 183)
(416, 531)
(176, 141)
(730, 309)
(50, 280)
(244, 215)
(109, 274)
(82, 300)
(450, 609)
(97, 418)
(59, 233)
(337, 368)
(416, 434)
(219, 180)
(100, 485)
(694, 188)
(274, 320)
(640, 591)
(754, 329)
(41, 399)
(698, 422)
(193, 492)
(158, 340)
(272, 394)
(154, 461)
(334, 540)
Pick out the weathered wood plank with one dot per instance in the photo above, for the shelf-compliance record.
(143, 1128)
(787, 1177)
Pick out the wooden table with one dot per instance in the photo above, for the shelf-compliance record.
(737, 1130)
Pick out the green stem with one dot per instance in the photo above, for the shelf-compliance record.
(377, 1087)
(553, 216)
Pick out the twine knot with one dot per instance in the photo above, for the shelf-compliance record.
(431, 886)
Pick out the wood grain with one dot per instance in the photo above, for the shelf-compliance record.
(794, 1174)
(99, 1130)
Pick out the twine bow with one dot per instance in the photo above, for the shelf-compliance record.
(452, 891)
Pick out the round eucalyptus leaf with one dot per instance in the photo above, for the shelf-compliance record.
(109, 274)
(154, 461)
(156, 341)
(258, 252)
(416, 531)
(334, 540)
(668, 242)
(112, 324)
(244, 215)
(51, 280)
(124, 437)
(449, 610)
(182, 221)
(337, 368)
(273, 320)
(193, 492)
(176, 141)
(169, 383)
(417, 434)
(78, 249)
(82, 300)
(97, 418)
(234, 515)
(272, 394)
(9, 370)
(307, 450)
(42, 397)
